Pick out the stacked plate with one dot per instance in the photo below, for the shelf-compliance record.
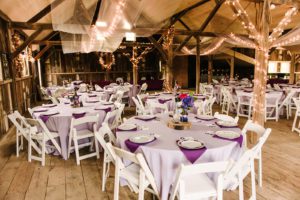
(227, 134)
(227, 123)
(127, 127)
(146, 117)
(205, 117)
(190, 143)
(141, 138)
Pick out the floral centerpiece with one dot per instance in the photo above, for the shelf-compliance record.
(184, 101)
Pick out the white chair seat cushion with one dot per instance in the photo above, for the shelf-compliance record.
(85, 133)
(198, 186)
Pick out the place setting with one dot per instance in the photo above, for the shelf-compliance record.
(135, 141)
(45, 116)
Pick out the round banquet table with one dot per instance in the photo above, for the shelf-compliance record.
(164, 156)
(61, 122)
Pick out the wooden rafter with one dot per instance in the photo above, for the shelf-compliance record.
(238, 55)
(27, 42)
(42, 52)
(4, 16)
(44, 11)
(158, 47)
(50, 35)
(203, 26)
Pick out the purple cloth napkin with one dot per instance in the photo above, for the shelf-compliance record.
(225, 126)
(205, 119)
(108, 109)
(162, 101)
(46, 117)
(238, 140)
(92, 95)
(192, 154)
(78, 115)
(145, 119)
(134, 146)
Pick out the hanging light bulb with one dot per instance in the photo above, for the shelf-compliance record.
(130, 36)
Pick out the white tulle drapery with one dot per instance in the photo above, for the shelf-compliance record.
(73, 19)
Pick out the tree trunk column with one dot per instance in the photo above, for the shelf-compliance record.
(169, 69)
(292, 69)
(135, 74)
(198, 65)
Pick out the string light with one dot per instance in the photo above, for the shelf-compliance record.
(110, 57)
(243, 42)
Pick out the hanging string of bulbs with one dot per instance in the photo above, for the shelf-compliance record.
(168, 38)
(110, 58)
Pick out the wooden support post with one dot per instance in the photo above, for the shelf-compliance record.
(209, 71)
(135, 75)
(169, 69)
(292, 69)
(198, 65)
(232, 68)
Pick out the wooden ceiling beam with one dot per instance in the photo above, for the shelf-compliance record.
(203, 26)
(42, 52)
(4, 16)
(158, 47)
(30, 26)
(44, 11)
(27, 42)
(238, 55)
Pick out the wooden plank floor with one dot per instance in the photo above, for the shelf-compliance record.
(61, 179)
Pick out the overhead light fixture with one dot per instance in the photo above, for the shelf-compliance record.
(130, 36)
(101, 24)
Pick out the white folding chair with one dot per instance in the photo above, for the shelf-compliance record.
(158, 108)
(22, 131)
(140, 109)
(261, 133)
(244, 107)
(272, 107)
(120, 108)
(44, 94)
(209, 90)
(276, 87)
(143, 88)
(297, 114)
(76, 135)
(43, 138)
(192, 181)
(199, 105)
(111, 119)
(98, 88)
(287, 103)
(137, 174)
(104, 135)
(209, 104)
(226, 117)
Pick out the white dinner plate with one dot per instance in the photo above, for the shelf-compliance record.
(40, 110)
(190, 144)
(49, 105)
(227, 134)
(205, 117)
(51, 112)
(142, 138)
(107, 103)
(145, 117)
(126, 127)
(76, 112)
(227, 123)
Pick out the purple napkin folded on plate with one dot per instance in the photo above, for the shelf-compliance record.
(45, 117)
(108, 109)
(134, 146)
(239, 140)
(92, 95)
(192, 154)
(78, 115)
(162, 101)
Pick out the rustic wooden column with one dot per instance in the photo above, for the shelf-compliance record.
(232, 68)
(209, 71)
(169, 69)
(198, 65)
(292, 69)
(261, 67)
(48, 73)
(135, 74)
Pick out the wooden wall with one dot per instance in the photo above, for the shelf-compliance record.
(57, 67)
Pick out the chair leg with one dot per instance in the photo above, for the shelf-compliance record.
(70, 143)
(75, 141)
(253, 186)
(29, 149)
(43, 151)
(241, 187)
(22, 142)
(117, 180)
(104, 172)
(294, 123)
(260, 170)
(17, 145)
(97, 148)
(141, 186)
